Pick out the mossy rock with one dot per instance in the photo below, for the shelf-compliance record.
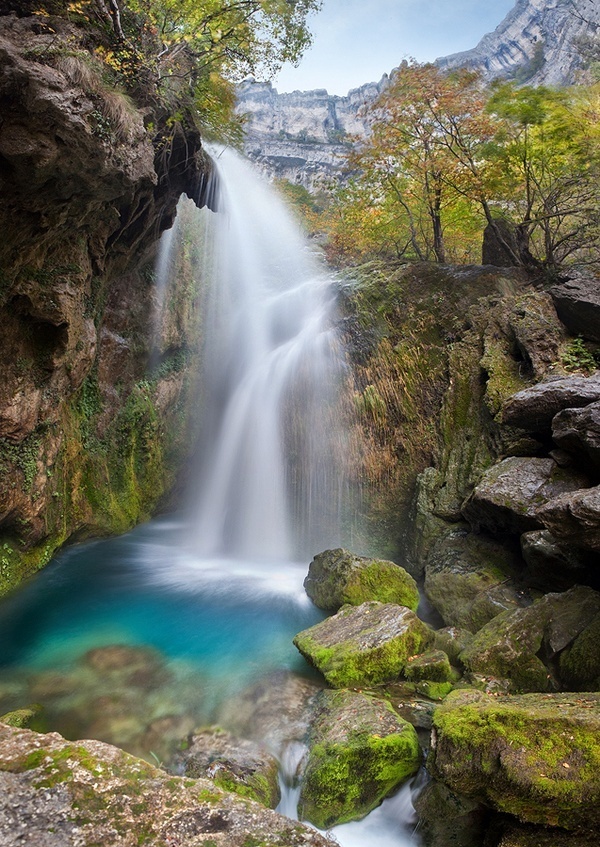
(91, 793)
(508, 647)
(433, 666)
(534, 756)
(364, 645)
(337, 578)
(452, 640)
(470, 579)
(360, 751)
(22, 717)
(234, 764)
(580, 663)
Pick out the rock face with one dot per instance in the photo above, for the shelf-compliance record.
(338, 577)
(302, 137)
(577, 302)
(233, 764)
(359, 751)
(85, 194)
(364, 645)
(534, 408)
(533, 756)
(537, 39)
(61, 794)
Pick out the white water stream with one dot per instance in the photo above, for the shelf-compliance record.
(268, 489)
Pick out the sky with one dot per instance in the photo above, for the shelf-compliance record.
(357, 41)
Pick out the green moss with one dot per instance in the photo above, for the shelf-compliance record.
(353, 767)
(22, 717)
(533, 756)
(382, 581)
(580, 663)
(433, 666)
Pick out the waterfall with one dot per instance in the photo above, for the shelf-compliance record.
(268, 485)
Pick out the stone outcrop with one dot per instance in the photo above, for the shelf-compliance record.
(339, 577)
(359, 751)
(534, 408)
(577, 302)
(533, 756)
(87, 186)
(57, 793)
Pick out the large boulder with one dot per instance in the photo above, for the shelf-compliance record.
(533, 756)
(55, 792)
(578, 432)
(577, 303)
(364, 645)
(580, 663)
(510, 494)
(359, 751)
(468, 579)
(551, 567)
(509, 646)
(338, 577)
(445, 818)
(534, 407)
(574, 518)
(234, 764)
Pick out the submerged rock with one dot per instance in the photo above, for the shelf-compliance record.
(338, 577)
(510, 494)
(364, 645)
(509, 646)
(534, 756)
(234, 764)
(55, 792)
(360, 751)
(533, 408)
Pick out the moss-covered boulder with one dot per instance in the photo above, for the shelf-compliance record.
(234, 764)
(337, 578)
(360, 751)
(580, 663)
(452, 640)
(533, 756)
(509, 495)
(470, 579)
(508, 647)
(433, 665)
(22, 717)
(364, 645)
(89, 793)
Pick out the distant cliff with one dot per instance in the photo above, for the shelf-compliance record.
(537, 42)
(303, 136)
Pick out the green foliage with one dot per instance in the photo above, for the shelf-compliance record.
(577, 356)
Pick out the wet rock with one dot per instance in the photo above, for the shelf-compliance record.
(234, 764)
(509, 646)
(578, 432)
(434, 666)
(359, 751)
(533, 756)
(469, 579)
(364, 645)
(533, 408)
(574, 519)
(510, 494)
(515, 835)
(446, 818)
(411, 706)
(551, 567)
(577, 302)
(276, 709)
(54, 792)
(338, 577)
(580, 663)
(452, 640)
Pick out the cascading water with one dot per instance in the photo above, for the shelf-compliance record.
(216, 594)
(269, 485)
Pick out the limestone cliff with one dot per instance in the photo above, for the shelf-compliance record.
(89, 179)
(537, 41)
